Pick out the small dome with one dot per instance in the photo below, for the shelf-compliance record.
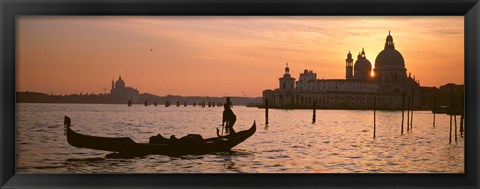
(362, 64)
(389, 57)
(120, 83)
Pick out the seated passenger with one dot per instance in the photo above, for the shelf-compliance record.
(191, 138)
(159, 139)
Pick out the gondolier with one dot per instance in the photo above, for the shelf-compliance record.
(229, 118)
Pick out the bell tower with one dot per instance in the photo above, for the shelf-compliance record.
(349, 66)
(287, 81)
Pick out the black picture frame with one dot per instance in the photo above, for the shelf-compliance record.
(9, 9)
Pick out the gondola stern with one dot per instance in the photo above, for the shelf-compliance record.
(66, 126)
(254, 126)
(66, 121)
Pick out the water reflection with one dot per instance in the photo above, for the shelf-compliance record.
(224, 162)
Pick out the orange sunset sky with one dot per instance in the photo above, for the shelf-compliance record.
(218, 56)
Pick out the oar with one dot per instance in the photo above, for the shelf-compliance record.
(219, 131)
(222, 129)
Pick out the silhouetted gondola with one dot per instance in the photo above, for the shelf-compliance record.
(125, 145)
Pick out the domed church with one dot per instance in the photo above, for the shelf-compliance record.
(123, 93)
(362, 67)
(388, 84)
(390, 70)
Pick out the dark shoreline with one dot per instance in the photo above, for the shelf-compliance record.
(36, 97)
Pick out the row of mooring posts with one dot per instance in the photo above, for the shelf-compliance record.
(410, 111)
(314, 117)
(410, 108)
(168, 104)
(453, 112)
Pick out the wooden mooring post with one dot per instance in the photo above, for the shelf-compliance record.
(185, 103)
(266, 111)
(314, 118)
(450, 137)
(461, 124)
(454, 115)
(408, 113)
(374, 116)
(403, 111)
(155, 103)
(130, 102)
(462, 113)
(455, 118)
(434, 109)
(411, 117)
(451, 109)
(146, 104)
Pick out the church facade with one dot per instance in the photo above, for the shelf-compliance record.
(388, 83)
(122, 93)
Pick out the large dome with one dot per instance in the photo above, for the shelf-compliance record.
(389, 57)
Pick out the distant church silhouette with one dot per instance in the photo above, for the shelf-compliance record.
(120, 92)
(357, 90)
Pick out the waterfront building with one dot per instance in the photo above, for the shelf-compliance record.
(123, 93)
(388, 82)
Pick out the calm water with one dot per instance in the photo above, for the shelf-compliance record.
(340, 142)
